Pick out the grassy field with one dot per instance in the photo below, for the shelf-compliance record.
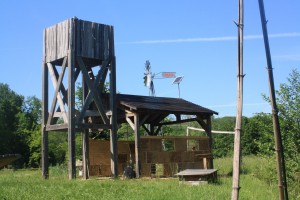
(28, 184)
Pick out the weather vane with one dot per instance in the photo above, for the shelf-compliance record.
(149, 77)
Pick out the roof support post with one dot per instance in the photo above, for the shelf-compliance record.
(210, 140)
(137, 144)
(207, 127)
(85, 140)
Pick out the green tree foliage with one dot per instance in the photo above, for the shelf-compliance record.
(10, 107)
(29, 122)
(288, 102)
(223, 143)
(258, 136)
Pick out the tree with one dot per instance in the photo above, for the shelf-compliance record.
(223, 143)
(257, 136)
(288, 102)
(10, 106)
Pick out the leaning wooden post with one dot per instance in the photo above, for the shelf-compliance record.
(283, 192)
(71, 102)
(45, 163)
(238, 125)
(137, 144)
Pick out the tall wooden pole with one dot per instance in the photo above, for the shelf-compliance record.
(283, 192)
(45, 163)
(238, 125)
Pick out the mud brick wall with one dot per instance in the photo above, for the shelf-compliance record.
(182, 153)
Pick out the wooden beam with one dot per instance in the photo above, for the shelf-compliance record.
(57, 127)
(85, 140)
(158, 129)
(202, 123)
(56, 96)
(64, 91)
(87, 101)
(144, 119)
(113, 118)
(58, 86)
(94, 126)
(93, 91)
(62, 88)
(71, 103)
(85, 154)
(146, 129)
(130, 123)
(45, 162)
(177, 122)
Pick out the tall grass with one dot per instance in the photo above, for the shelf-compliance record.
(26, 184)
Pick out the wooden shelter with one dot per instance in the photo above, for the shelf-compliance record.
(78, 47)
(149, 112)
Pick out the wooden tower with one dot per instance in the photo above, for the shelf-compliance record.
(75, 49)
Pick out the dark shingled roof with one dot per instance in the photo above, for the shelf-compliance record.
(162, 104)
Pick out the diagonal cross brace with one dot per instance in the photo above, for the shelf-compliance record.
(57, 85)
(93, 91)
(102, 72)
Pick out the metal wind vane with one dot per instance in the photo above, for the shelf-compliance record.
(149, 76)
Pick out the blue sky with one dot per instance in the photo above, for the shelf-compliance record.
(196, 39)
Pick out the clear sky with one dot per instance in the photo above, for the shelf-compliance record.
(194, 38)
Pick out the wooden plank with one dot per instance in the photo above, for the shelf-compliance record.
(106, 43)
(56, 127)
(174, 137)
(62, 30)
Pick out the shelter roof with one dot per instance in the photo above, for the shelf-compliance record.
(138, 103)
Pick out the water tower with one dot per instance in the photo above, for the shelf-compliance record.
(76, 49)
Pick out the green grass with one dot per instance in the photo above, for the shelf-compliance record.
(29, 184)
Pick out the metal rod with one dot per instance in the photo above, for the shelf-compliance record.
(283, 192)
(238, 125)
